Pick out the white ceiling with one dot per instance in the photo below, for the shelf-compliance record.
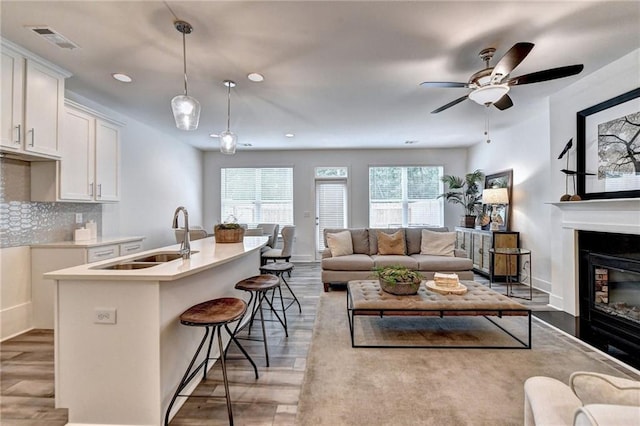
(337, 74)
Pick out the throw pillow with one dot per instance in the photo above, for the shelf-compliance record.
(391, 243)
(437, 243)
(340, 243)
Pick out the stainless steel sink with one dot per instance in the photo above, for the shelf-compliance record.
(143, 262)
(130, 265)
(161, 257)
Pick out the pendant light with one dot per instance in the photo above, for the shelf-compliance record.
(186, 109)
(228, 139)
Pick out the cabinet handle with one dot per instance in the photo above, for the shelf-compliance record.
(131, 248)
(33, 137)
(104, 253)
(99, 190)
(91, 189)
(19, 129)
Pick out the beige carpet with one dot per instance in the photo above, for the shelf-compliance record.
(366, 386)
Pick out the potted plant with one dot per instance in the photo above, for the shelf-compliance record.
(466, 192)
(398, 279)
(229, 232)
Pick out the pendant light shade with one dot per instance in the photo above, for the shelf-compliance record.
(186, 109)
(228, 139)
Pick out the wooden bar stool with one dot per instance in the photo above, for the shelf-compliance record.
(258, 287)
(212, 315)
(278, 269)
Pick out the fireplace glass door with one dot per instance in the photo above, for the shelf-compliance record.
(616, 286)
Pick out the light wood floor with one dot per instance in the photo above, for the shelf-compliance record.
(26, 370)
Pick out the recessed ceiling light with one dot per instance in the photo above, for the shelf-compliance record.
(214, 135)
(289, 135)
(255, 77)
(122, 77)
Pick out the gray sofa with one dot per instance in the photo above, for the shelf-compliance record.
(365, 257)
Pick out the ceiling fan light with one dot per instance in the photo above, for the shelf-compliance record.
(489, 94)
(186, 112)
(228, 142)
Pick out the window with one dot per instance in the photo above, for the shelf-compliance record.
(257, 195)
(405, 196)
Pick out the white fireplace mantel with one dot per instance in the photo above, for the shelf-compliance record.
(620, 215)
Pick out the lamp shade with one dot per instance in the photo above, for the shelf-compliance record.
(495, 196)
(489, 94)
(186, 111)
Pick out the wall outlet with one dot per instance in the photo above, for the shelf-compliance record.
(78, 217)
(104, 315)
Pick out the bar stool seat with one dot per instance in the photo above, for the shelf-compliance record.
(258, 286)
(278, 269)
(212, 315)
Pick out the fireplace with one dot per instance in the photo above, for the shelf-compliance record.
(609, 291)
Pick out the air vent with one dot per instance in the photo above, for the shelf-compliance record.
(52, 36)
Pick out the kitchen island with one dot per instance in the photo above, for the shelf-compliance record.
(120, 349)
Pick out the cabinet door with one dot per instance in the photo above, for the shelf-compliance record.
(77, 168)
(505, 265)
(44, 99)
(107, 161)
(12, 93)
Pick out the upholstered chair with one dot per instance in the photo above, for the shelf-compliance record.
(284, 253)
(195, 233)
(270, 229)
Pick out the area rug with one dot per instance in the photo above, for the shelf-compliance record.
(370, 386)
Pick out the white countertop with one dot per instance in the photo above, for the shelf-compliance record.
(96, 242)
(209, 255)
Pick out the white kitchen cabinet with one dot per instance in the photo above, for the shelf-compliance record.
(89, 169)
(32, 101)
(53, 256)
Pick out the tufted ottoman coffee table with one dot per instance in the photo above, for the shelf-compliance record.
(364, 297)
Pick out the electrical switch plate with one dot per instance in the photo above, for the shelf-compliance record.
(78, 217)
(104, 315)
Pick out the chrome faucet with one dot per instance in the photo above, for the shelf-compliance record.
(185, 246)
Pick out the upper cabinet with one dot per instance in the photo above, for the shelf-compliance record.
(90, 166)
(32, 102)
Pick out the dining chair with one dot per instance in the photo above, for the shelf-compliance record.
(284, 253)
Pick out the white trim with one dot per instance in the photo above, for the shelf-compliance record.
(35, 58)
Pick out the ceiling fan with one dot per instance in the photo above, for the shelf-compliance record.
(491, 85)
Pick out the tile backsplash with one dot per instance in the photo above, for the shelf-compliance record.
(23, 222)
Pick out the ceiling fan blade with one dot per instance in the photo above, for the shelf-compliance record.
(550, 74)
(503, 103)
(449, 105)
(443, 84)
(511, 59)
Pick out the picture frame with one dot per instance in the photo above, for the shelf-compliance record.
(603, 133)
(503, 179)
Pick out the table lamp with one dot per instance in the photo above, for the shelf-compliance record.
(495, 197)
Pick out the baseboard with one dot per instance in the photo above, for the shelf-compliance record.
(15, 320)
(556, 302)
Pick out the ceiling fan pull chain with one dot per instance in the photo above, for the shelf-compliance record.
(486, 124)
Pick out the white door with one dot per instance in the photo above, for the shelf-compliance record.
(331, 209)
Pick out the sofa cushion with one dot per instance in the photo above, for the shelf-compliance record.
(438, 243)
(391, 243)
(352, 262)
(373, 237)
(359, 239)
(340, 243)
(413, 237)
(393, 260)
(428, 262)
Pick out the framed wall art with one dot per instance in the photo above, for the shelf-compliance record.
(608, 137)
(501, 179)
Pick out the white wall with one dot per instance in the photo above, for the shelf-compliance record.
(612, 80)
(15, 291)
(531, 149)
(524, 148)
(304, 162)
(158, 173)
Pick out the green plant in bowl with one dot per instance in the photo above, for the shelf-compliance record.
(398, 279)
